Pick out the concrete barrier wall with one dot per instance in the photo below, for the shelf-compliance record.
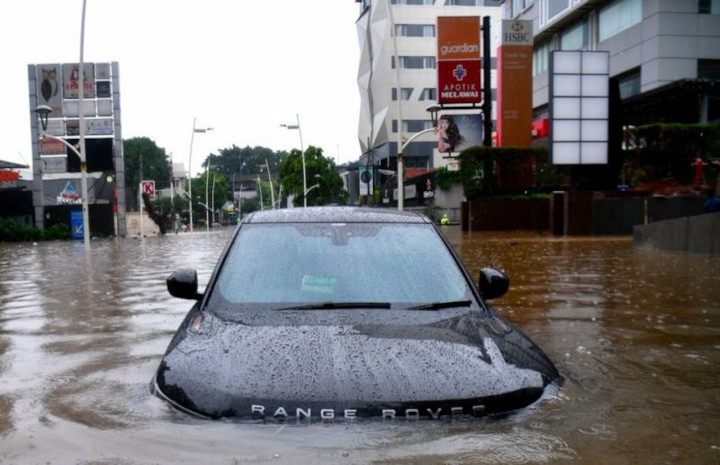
(696, 234)
(149, 228)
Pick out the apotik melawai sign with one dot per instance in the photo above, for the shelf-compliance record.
(459, 59)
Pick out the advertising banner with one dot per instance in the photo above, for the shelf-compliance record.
(459, 59)
(49, 78)
(514, 95)
(76, 224)
(71, 80)
(366, 180)
(52, 147)
(93, 127)
(56, 164)
(456, 132)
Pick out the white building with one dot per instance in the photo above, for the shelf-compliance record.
(398, 77)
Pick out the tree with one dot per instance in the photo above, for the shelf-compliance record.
(245, 161)
(320, 171)
(155, 163)
(220, 193)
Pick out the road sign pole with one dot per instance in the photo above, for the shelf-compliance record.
(142, 229)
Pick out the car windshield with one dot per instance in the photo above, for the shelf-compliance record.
(352, 263)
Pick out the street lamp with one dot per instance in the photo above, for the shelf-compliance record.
(433, 109)
(317, 184)
(207, 178)
(43, 112)
(302, 149)
(192, 138)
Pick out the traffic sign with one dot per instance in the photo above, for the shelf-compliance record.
(147, 187)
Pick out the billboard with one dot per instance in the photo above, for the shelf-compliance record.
(49, 90)
(514, 95)
(456, 132)
(71, 80)
(459, 59)
(579, 107)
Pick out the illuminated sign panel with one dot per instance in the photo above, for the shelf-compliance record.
(579, 107)
(459, 59)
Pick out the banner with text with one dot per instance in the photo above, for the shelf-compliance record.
(459, 59)
(514, 93)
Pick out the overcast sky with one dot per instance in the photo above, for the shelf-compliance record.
(242, 67)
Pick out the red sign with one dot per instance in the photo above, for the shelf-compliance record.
(7, 176)
(459, 65)
(148, 187)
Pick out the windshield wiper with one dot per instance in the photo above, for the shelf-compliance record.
(337, 305)
(439, 305)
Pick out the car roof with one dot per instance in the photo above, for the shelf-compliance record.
(335, 215)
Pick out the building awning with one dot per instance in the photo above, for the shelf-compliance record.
(6, 165)
(676, 102)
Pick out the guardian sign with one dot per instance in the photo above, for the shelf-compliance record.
(459, 65)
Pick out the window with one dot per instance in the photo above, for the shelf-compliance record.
(411, 126)
(629, 84)
(406, 93)
(518, 6)
(708, 69)
(311, 262)
(709, 7)
(469, 3)
(493, 62)
(415, 30)
(555, 7)
(575, 37)
(541, 56)
(413, 2)
(415, 62)
(429, 93)
(618, 16)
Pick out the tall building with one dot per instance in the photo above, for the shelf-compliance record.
(57, 166)
(398, 77)
(664, 54)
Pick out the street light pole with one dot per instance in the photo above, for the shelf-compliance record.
(400, 173)
(81, 113)
(316, 185)
(43, 112)
(192, 138)
(207, 181)
(302, 149)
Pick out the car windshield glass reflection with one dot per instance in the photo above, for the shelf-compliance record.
(324, 263)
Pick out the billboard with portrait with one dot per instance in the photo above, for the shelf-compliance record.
(456, 132)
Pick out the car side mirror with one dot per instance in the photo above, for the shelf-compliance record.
(183, 283)
(493, 283)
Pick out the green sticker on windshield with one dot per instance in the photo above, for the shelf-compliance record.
(318, 285)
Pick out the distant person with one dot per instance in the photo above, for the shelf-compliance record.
(450, 137)
(712, 205)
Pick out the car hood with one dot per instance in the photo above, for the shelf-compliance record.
(466, 365)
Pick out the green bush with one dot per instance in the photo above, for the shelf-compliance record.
(493, 171)
(14, 231)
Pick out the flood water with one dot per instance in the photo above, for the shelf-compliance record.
(635, 333)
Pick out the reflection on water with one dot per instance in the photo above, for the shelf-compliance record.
(634, 332)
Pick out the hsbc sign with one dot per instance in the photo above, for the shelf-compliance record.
(459, 59)
(515, 32)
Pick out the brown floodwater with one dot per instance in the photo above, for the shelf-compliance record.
(635, 333)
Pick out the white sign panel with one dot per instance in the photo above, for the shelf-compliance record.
(54, 164)
(579, 107)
